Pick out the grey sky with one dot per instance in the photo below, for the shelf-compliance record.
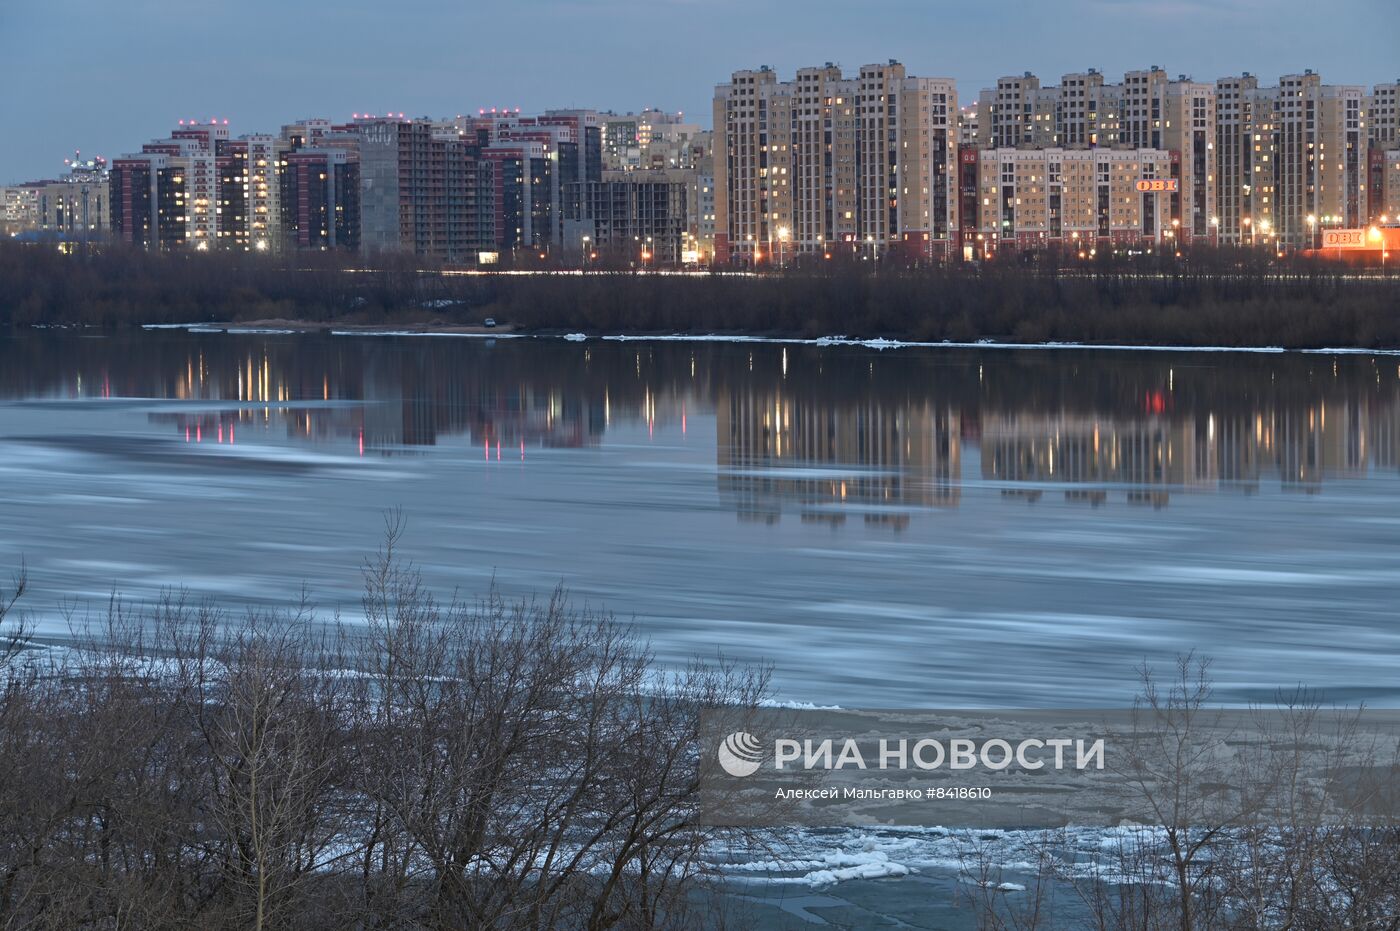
(106, 75)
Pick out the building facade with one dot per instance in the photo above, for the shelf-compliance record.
(1079, 199)
(824, 164)
(1293, 159)
(419, 187)
(633, 218)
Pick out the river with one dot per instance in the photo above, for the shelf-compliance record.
(971, 527)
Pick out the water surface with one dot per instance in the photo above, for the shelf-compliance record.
(954, 527)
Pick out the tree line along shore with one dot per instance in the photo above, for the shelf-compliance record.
(1209, 297)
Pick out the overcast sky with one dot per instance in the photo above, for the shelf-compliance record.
(104, 76)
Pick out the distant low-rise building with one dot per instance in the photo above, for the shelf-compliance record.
(19, 209)
(75, 207)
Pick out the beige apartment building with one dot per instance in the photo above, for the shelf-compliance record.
(825, 164)
(864, 165)
(1320, 160)
(1383, 114)
(1293, 159)
(19, 209)
(75, 206)
(1083, 199)
(1148, 110)
(1244, 142)
(1087, 113)
(1020, 114)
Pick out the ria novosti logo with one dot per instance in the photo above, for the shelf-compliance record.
(740, 754)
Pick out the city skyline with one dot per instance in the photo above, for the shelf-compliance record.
(632, 60)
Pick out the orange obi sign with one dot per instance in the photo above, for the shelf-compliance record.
(1157, 185)
(1344, 239)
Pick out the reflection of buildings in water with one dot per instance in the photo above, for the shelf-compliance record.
(832, 459)
(1079, 449)
(1385, 436)
(1158, 453)
(392, 406)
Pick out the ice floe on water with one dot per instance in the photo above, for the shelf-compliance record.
(882, 343)
(492, 334)
(999, 860)
(877, 343)
(796, 705)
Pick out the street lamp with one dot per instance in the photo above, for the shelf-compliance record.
(783, 234)
(586, 241)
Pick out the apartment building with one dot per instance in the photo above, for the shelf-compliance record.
(1293, 159)
(1148, 110)
(319, 198)
(1319, 161)
(1246, 159)
(19, 209)
(202, 189)
(147, 201)
(1383, 115)
(73, 208)
(1086, 111)
(419, 184)
(1389, 194)
(1084, 199)
(1020, 114)
(825, 164)
(638, 218)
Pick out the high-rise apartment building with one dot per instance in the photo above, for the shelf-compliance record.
(1245, 156)
(824, 163)
(1383, 114)
(419, 184)
(149, 200)
(319, 198)
(532, 160)
(1148, 110)
(198, 188)
(1293, 159)
(1086, 110)
(1020, 113)
(1320, 157)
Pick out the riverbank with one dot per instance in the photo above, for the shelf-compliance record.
(1221, 299)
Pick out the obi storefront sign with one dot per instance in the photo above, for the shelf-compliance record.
(1158, 185)
(1346, 239)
